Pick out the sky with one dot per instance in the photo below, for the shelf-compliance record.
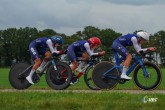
(70, 16)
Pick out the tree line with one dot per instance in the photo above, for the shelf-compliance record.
(14, 42)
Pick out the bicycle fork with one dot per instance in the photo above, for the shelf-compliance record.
(59, 74)
(145, 73)
(55, 68)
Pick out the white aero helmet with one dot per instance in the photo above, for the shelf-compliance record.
(143, 35)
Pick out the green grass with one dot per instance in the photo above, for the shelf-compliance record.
(78, 101)
(80, 85)
(21, 100)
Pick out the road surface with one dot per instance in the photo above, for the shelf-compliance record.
(87, 91)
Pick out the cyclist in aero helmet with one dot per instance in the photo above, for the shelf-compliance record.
(82, 48)
(38, 47)
(134, 40)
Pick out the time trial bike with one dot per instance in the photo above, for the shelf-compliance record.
(58, 74)
(87, 69)
(147, 75)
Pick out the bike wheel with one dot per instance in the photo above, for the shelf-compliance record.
(147, 82)
(99, 80)
(17, 81)
(56, 82)
(88, 78)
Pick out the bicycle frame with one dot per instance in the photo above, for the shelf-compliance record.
(50, 61)
(89, 62)
(137, 60)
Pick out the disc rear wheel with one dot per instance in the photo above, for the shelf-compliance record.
(17, 75)
(98, 76)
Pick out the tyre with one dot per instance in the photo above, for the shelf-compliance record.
(99, 80)
(17, 81)
(56, 82)
(88, 78)
(149, 82)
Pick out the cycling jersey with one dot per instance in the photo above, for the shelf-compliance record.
(77, 48)
(127, 40)
(39, 46)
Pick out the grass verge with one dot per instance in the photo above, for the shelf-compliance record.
(79, 101)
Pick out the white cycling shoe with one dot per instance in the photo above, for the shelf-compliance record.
(29, 79)
(124, 76)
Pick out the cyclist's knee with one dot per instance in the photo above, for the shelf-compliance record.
(85, 56)
(47, 55)
(129, 56)
(38, 61)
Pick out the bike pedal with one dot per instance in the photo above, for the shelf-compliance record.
(121, 81)
(125, 79)
(36, 81)
(74, 80)
(36, 78)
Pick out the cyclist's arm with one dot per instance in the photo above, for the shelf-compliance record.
(137, 46)
(89, 51)
(50, 45)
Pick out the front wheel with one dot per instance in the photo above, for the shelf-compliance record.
(151, 80)
(88, 78)
(59, 82)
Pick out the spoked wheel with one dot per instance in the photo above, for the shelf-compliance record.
(59, 82)
(149, 82)
(99, 80)
(88, 78)
(17, 75)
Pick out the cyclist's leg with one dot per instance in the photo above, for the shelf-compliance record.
(37, 60)
(85, 57)
(124, 53)
(44, 61)
(73, 57)
(125, 67)
(47, 55)
(73, 68)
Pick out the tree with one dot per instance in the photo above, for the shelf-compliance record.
(14, 43)
(158, 40)
(46, 33)
(90, 31)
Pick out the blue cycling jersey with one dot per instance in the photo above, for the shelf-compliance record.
(76, 49)
(40, 43)
(38, 47)
(79, 45)
(120, 44)
(125, 40)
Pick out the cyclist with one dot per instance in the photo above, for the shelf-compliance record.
(134, 40)
(82, 48)
(38, 47)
